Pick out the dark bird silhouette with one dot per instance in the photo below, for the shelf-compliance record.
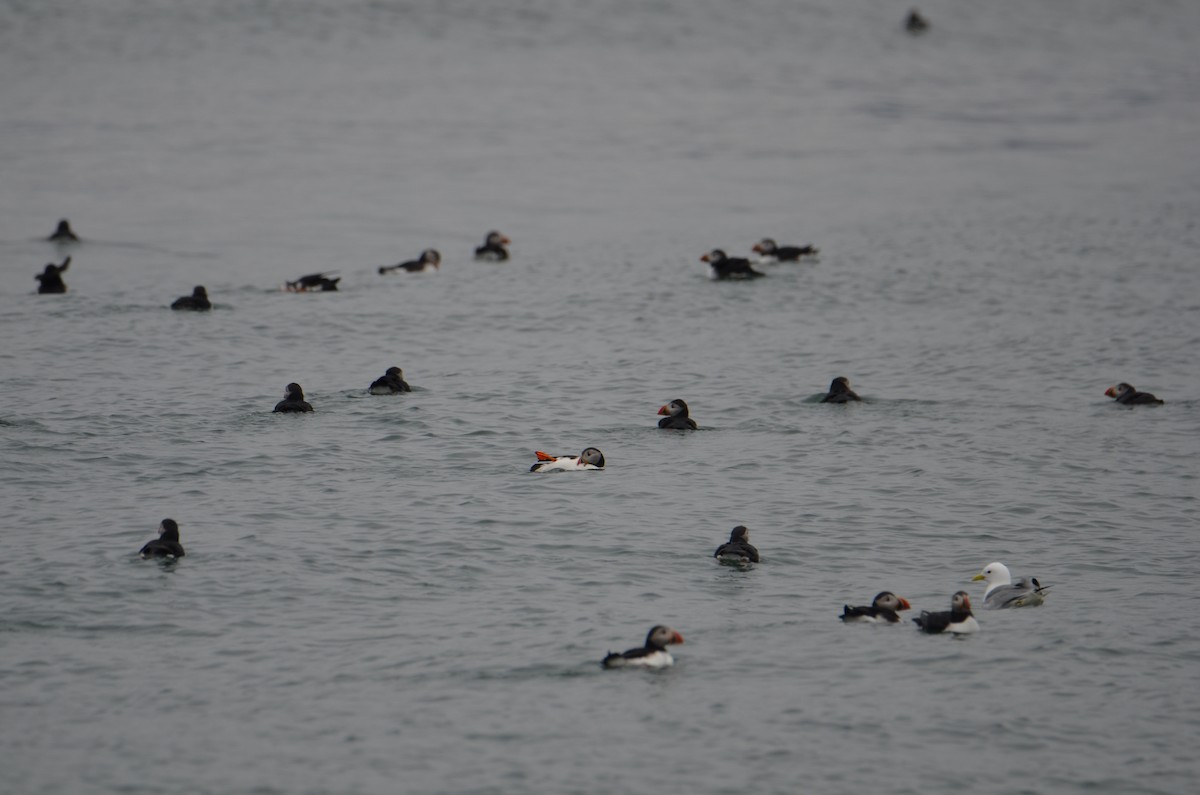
(63, 234)
(293, 400)
(166, 545)
(51, 278)
(767, 248)
(493, 247)
(737, 549)
(840, 391)
(197, 301)
(1126, 395)
(390, 383)
(430, 258)
(725, 267)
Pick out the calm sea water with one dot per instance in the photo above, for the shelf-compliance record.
(378, 597)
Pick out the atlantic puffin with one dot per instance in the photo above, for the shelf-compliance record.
(958, 619)
(725, 267)
(51, 278)
(1126, 395)
(430, 259)
(166, 545)
(493, 247)
(676, 417)
(840, 391)
(653, 655)
(63, 234)
(590, 458)
(767, 248)
(737, 550)
(197, 301)
(1003, 591)
(293, 401)
(884, 608)
(390, 383)
(314, 283)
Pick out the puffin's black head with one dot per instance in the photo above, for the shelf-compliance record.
(766, 247)
(659, 636)
(294, 392)
(716, 255)
(494, 238)
(169, 530)
(430, 256)
(592, 456)
(889, 601)
(396, 371)
(676, 408)
(1119, 389)
(199, 292)
(960, 602)
(840, 384)
(740, 533)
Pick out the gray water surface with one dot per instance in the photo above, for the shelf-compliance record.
(379, 597)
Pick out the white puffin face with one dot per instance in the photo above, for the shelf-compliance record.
(766, 246)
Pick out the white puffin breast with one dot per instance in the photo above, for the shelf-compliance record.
(964, 627)
(658, 659)
(565, 464)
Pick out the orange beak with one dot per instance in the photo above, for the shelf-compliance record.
(505, 240)
(705, 258)
(677, 638)
(1111, 391)
(664, 410)
(904, 605)
(756, 248)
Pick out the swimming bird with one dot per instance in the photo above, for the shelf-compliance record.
(390, 383)
(737, 549)
(1126, 395)
(293, 400)
(726, 267)
(676, 416)
(51, 278)
(197, 301)
(1004, 591)
(653, 655)
(590, 458)
(430, 259)
(493, 247)
(958, 619)
(915, 23)
(63, 234)
(767, 248)
(840, 391)
(166, 545)
(884, 608)
(314, 283)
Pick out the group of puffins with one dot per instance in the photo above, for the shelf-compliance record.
(1002, 592)
(493, 250)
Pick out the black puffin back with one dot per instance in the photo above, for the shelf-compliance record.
(166, 545)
